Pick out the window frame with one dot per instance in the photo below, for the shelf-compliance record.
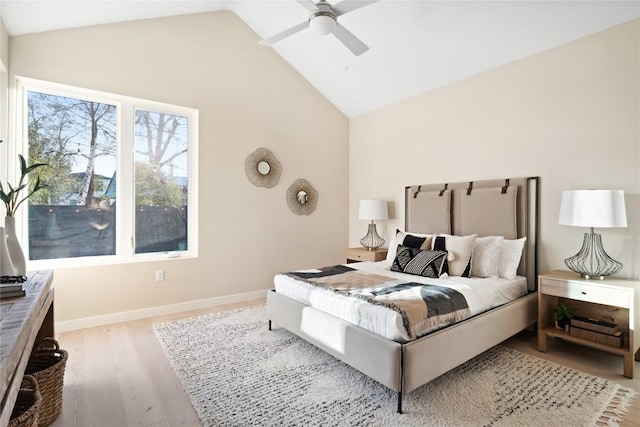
(125, 166)
(4, 125)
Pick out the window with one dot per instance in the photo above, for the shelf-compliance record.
(161, 181)
(119, 176)
(74, 215)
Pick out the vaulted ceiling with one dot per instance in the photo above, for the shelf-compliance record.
(415, 46)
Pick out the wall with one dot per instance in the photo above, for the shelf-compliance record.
(4, 43)
(248, 97)
(569, 115)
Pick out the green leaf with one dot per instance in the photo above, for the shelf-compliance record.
(35, 166)
(24, 169)
(23, 165)
(39, 185)
(16, 190)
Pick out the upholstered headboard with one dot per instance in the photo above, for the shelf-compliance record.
(500, 207)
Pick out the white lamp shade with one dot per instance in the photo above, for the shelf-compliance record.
(373, 210)
(322, 25)
(593, 208)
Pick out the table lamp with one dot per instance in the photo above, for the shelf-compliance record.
(372, 210)
(593, 208)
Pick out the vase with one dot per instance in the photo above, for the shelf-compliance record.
(15, 251)
(6, 267)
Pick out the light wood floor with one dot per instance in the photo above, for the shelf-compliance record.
(118, 375)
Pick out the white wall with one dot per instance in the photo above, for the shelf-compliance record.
(569, 115)
(248, 97)
(4, 42)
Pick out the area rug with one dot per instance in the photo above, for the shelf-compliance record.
(238, 373)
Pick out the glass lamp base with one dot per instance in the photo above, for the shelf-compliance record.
(592, 262)
(372, 240)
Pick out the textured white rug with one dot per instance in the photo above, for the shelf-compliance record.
(238, 373)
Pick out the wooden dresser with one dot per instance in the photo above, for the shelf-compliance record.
(23, 322)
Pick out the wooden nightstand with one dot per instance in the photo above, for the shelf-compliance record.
(364, 254)
(613, 298)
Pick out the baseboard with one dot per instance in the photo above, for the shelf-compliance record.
(125, 316)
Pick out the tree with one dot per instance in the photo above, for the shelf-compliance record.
(55, 125)
(161, 147)
(99, 117)
(161, 137)
(50, 135)
(155, 189)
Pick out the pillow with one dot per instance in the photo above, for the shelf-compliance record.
(461, 247)
(486, 255)
(418, 262)
(510, 254)
(398, 239)
(412, 241)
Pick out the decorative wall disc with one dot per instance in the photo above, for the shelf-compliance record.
(302, 197)
(262, 168)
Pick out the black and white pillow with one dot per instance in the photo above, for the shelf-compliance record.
(399, 237)
(418, 242)
(418, 262)
(460, 249)
(413, 241)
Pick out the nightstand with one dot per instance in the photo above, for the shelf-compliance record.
(613, 299)
(364, 254)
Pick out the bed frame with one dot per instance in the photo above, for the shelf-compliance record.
(442, 208)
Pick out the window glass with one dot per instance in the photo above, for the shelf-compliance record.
(161, 181)
(120, 177)
(74, 216)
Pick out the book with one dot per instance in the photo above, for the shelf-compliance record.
(13, 286)
(9, 287)
(594, 325)
(12, 293)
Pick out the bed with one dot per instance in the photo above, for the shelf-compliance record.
(372, 324)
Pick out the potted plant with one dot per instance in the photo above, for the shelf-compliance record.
(12, 197)
(563, 316)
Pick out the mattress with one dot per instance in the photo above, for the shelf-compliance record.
(481, 294)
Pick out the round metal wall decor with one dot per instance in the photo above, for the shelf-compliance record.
(302, 197)
(262, 168)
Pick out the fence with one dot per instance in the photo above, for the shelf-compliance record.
(77, 231)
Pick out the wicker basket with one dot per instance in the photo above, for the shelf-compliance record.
(46, 365)
(27, 408)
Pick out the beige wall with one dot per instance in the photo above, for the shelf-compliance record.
(248, 97)
(569, 115)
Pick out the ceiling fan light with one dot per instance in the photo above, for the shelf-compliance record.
(322, 24)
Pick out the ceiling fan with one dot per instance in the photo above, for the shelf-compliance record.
(323, 20)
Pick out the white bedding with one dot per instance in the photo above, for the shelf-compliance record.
(482, 294)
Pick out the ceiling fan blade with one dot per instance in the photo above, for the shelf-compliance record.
(349, 40)
(284, 34)
(309, 5)
(347, 6)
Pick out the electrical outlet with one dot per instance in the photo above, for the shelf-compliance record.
(159, 275)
